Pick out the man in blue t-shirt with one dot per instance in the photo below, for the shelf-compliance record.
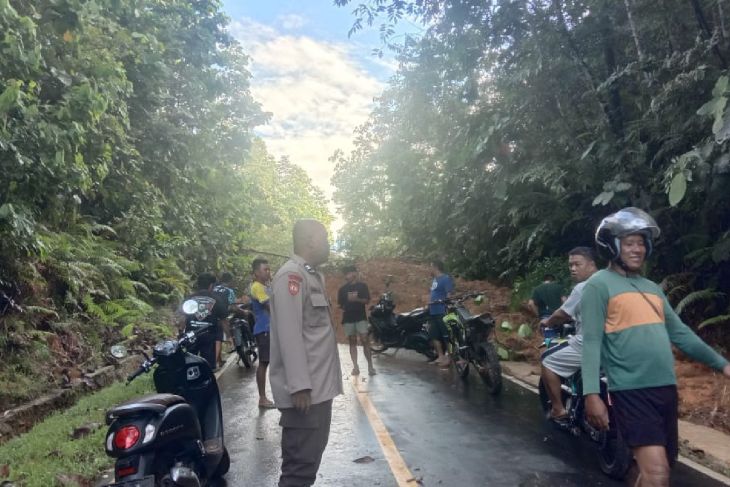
(441, 286)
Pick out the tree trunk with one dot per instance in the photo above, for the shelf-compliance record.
(721, 15)
(614, 110)
(705, 28)
(588, 74)
(634, 31)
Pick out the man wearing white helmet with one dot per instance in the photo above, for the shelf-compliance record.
(629, 328)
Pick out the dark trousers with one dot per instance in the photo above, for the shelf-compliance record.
(303, 440)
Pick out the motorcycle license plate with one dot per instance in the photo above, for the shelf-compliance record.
(148, 481)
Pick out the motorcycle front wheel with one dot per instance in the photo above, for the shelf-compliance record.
(376, 346)
(462, 367)
(614, 455)
(487, 361)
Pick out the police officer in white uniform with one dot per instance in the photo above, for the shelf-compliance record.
(305, 369)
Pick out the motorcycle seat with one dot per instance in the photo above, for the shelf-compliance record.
(156, 403)
(404, 316)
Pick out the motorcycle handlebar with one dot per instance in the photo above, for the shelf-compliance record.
(457, 299)
(186, 339)
(145, 367)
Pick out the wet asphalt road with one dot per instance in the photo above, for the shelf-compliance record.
(448, 432)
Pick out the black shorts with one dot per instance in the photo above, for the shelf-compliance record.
(437, 329)
(262, 342)
(647, 417)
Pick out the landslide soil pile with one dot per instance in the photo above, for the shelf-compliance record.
(704, 395)
(410, 286)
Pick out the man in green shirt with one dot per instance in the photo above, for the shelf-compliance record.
(629, 328)
(547, 297)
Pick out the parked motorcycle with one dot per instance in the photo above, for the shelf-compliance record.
(614, 455)
(470, 342)
(405, 330)
(174, 437)
(242, 321)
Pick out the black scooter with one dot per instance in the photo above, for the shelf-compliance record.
(175, 437)
(242, 321)
(405, 330)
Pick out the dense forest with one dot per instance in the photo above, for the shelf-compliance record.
(512, 127)
(128, 164)
(129, 160)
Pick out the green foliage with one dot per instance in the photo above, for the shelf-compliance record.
(523, 285)
(512, 128)
(696, 297)
(39, 456)
(714, 321)
(129, 165)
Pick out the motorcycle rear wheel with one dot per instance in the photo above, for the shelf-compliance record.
(243, 357)
(490, 370)
(224, 465)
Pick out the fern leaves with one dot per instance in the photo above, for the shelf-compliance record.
(704, 295)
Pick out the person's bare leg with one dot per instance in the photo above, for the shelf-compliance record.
(353, 354)
(365, 340)
(438, 346)
(442, 359)
(218, 347)
(653, 466)
(552, 386)
(261, 384)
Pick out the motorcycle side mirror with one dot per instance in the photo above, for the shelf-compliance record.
(190, 307)
(118, 351)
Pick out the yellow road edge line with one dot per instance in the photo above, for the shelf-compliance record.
(398, 467)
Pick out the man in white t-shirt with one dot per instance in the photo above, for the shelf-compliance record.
(564, 360)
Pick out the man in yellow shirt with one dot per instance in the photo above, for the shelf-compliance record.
(262, 313)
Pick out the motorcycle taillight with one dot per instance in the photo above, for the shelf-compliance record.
(126, 437)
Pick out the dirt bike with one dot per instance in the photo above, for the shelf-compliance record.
(614, 455)
(470, 342)
(405, 330)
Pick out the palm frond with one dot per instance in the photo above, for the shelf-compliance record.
(716, 320)
(695, 297)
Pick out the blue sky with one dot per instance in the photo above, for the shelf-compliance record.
(318, 84)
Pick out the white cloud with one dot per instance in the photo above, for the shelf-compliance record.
(292, 21)
(317, 91)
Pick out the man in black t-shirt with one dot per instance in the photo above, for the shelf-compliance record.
(352, 298)
(217, 311)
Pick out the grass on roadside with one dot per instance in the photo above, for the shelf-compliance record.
(38, 457)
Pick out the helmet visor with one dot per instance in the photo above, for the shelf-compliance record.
(629, 221)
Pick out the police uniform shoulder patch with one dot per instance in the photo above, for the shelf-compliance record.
(295, 281)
